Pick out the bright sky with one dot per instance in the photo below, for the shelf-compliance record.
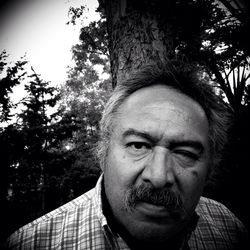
(38, 29)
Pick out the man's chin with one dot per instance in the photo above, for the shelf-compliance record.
(154, 232)
(149, 222)
(156, 214)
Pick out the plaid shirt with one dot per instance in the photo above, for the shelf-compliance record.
(80, 224)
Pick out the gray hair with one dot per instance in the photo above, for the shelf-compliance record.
(186, 80)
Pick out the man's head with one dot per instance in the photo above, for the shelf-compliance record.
(162, 130)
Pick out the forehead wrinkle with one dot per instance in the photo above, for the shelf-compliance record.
(149, 120)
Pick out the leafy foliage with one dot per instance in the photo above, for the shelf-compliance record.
(49, 158)
(215, 39)
(75, 13)
(14, 76)
(30, 155)
(93, 47)
(83, 101)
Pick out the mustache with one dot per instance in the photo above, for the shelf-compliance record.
(160, 197)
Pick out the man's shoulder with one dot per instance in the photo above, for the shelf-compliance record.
(218, 227)
(79, 204)
(50, 226)
(210, 206)
(216, 212)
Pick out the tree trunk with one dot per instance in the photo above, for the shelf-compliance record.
(140, 32)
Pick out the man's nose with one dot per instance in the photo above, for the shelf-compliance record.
(159, 171)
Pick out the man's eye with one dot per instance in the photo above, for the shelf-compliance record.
(187, 155)
(138, 147)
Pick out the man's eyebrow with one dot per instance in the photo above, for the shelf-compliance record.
(134, 132)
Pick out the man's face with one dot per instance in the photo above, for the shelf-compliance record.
(157, 162)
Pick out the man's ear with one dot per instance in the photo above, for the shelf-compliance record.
(102, 159)
(102, 152)
(102, 167)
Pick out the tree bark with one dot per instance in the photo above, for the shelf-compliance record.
(139, 34)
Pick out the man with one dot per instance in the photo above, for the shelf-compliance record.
(162, 133)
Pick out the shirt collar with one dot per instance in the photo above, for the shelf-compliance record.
(98, 202)
(112, 238)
